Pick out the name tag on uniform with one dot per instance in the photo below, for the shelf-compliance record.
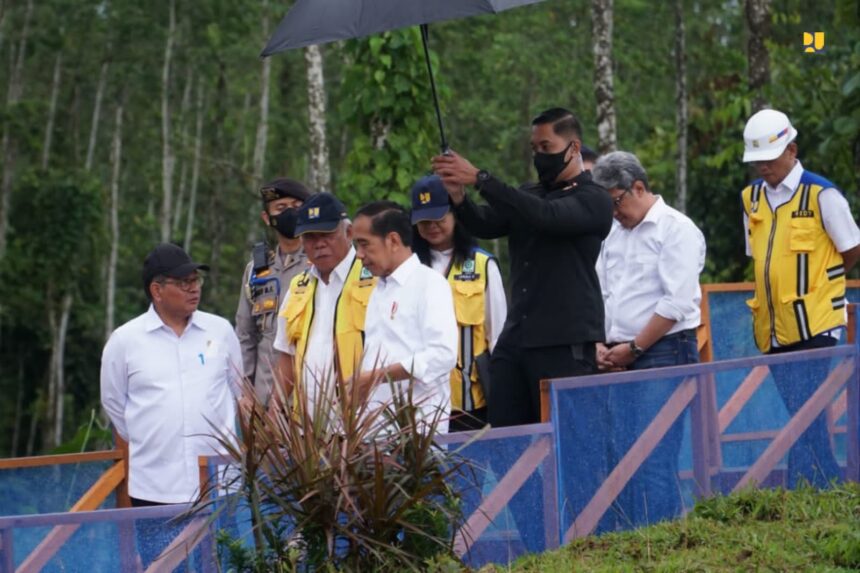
(264, 305)
(803, 214)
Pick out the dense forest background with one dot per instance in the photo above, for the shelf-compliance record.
(126, 123)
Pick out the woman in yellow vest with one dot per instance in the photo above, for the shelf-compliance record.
(479, 297)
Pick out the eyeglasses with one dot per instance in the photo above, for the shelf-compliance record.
(188, 284)
(617, 201)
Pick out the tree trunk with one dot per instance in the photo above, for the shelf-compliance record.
(52, 110)
(167, 159)
(183, 143)
(681, 110)
(601, 21)
(263, 126)
(116, 163)
(195, 169)
(16, 86)
(757, 14)
(60, 365)
(56, 380)
(19, 409)
(97, 110)
(319, 176)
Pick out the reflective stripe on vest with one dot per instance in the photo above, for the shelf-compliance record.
(349, 318)
(468, 280)
(799, 274)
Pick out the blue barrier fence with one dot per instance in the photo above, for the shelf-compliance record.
(622, 450)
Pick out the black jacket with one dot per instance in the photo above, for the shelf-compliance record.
(554, 237)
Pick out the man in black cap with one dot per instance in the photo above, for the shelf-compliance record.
(169, 379)
(266, 279)
(320, 326)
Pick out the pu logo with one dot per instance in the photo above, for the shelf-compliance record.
(424, 198)
(813, 42)
(314, 213)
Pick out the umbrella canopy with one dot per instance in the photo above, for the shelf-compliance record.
(320, 21)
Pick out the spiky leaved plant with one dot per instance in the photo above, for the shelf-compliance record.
(352, 486)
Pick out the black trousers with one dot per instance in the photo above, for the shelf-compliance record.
(516, 372)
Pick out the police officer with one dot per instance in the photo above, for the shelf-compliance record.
(266, 280)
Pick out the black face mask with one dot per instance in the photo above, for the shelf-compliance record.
(550, 165)
(285, 222)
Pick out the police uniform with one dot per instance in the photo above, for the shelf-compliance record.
(256, 316)
(262, 291)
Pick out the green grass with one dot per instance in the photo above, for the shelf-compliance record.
(754, 530)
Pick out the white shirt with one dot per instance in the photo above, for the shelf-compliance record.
(835, 212)
(410, 321)
(319, 362)
(496, 306)
(168, 395)
(650, 269)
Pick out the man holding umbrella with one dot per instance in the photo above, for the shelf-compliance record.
(554, 229)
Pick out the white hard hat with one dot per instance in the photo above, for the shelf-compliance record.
(766, 135)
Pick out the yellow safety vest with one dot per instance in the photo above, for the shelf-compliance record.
(468, 280)
(349, 317)
(799, 274)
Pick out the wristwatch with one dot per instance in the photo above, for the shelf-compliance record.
(637, 351)
(482, 177)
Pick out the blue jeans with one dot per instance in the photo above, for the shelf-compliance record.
(811, 458)
(654, 492)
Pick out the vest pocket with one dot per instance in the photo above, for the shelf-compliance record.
(469, 302)
(358, 299)
(802, 234)
(296, 307)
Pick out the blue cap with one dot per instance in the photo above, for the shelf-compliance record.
(430, 200)
(322, 213)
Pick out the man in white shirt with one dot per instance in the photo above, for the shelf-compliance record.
(410, 330)
(169, 379)
(318, 338)
(649, 269)
(802, 221)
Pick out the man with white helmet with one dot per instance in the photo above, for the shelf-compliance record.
(803, 240)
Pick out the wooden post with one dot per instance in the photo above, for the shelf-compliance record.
(852, 468)
(700, 429)
(545, 406)
(550, 499)
(7, 550)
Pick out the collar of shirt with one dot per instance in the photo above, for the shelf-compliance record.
(154, 321)
(791, 181)
(439, 260)
(341, 271)
(284, 261)
(657, 210)
(402, 273)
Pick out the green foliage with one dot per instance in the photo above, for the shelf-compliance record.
(335, 483)
(752, 530)
(390, 113)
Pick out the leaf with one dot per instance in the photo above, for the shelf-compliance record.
(851, 85)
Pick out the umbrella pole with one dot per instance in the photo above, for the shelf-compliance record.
(443, 143)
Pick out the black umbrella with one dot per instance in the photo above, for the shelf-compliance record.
(319, 21)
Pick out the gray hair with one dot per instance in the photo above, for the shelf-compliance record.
(619, 170)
